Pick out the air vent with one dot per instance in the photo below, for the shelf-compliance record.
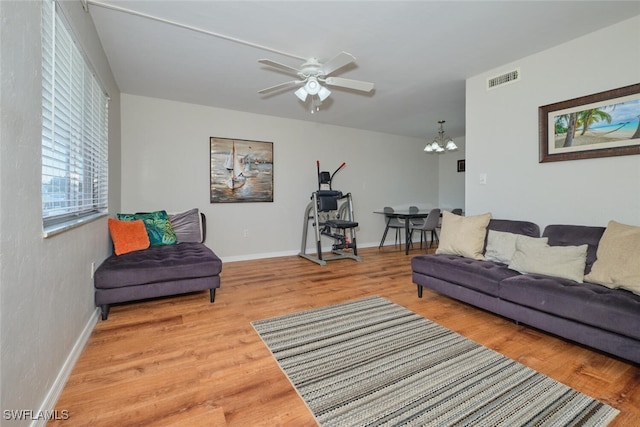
(503, 79)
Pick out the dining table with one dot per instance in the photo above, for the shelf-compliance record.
(407, 215)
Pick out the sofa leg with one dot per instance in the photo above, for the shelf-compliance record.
(212, 294)
(105, 311)
(419, 291)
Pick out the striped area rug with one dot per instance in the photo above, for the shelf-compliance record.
(372, 362)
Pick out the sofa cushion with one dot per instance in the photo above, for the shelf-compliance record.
(525, 228)
(576, 235)
(479, 275)
(534, 256)
(158, 264)
(588, 303)
(462, 235)
(618, 262)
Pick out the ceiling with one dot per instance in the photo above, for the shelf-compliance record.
(418, 53)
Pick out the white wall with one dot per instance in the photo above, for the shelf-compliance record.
(165, 152)
(502, 136)
(46, 290)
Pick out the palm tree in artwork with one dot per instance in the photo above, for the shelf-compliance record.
(587, 118)
(637, 132)
(572, 123)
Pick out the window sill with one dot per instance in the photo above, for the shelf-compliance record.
(55, 229)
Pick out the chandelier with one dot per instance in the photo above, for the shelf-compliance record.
(441, 143)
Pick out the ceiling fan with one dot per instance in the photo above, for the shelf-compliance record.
(312, 75)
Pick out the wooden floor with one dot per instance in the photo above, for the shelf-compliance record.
(182, 361)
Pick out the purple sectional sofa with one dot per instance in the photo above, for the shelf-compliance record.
(587, 313)
(156, 272)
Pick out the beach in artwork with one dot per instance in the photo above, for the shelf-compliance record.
(600, 135)
(598, 126)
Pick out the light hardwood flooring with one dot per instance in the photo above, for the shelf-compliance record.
(182, 361)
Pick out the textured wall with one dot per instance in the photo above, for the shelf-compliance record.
(46, 290)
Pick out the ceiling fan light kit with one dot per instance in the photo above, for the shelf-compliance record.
(314, 75)
(441, 143)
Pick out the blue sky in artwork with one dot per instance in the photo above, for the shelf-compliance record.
(622, 113)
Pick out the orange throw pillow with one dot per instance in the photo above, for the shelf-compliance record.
(128, 236)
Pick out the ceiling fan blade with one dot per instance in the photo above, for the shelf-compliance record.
(281, 86)
(337, 62)
(279, 66)
(349, 84)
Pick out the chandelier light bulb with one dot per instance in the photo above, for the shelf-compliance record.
(323, 93)
(301, 94)
(312, 86)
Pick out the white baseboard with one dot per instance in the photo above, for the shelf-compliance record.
(58, 385)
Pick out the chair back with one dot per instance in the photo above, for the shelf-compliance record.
(392, 221)
(413, 209)
(431, 223)
(457, 211)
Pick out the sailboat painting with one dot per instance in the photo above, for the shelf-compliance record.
(240, 170)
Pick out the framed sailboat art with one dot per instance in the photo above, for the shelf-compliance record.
(241, 171)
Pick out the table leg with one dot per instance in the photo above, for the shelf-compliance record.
(406, 236)
(384, 235)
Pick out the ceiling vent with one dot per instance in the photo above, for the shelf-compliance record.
(503, 79)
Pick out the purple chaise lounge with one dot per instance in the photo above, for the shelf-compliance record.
(157, 271)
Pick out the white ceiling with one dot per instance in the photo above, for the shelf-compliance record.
(418, 53)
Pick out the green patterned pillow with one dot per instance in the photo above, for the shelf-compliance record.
(157, 224)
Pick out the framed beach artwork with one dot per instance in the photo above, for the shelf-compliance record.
(599, 125)
(240, 170)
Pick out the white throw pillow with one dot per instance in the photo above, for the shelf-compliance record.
(463, 235)
(501, 245)
(559, 261)
(618, 258)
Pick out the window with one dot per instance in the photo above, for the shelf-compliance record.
(74, 130)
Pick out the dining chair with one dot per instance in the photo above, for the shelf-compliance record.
(457, 211)
(392, 222)
(415, 221)
(430, 224)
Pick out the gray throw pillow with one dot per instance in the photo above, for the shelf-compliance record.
(187, 226)
(501, 245)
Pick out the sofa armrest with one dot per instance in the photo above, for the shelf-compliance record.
(203, 226)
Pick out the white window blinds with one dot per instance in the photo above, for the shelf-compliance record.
(74, 128)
